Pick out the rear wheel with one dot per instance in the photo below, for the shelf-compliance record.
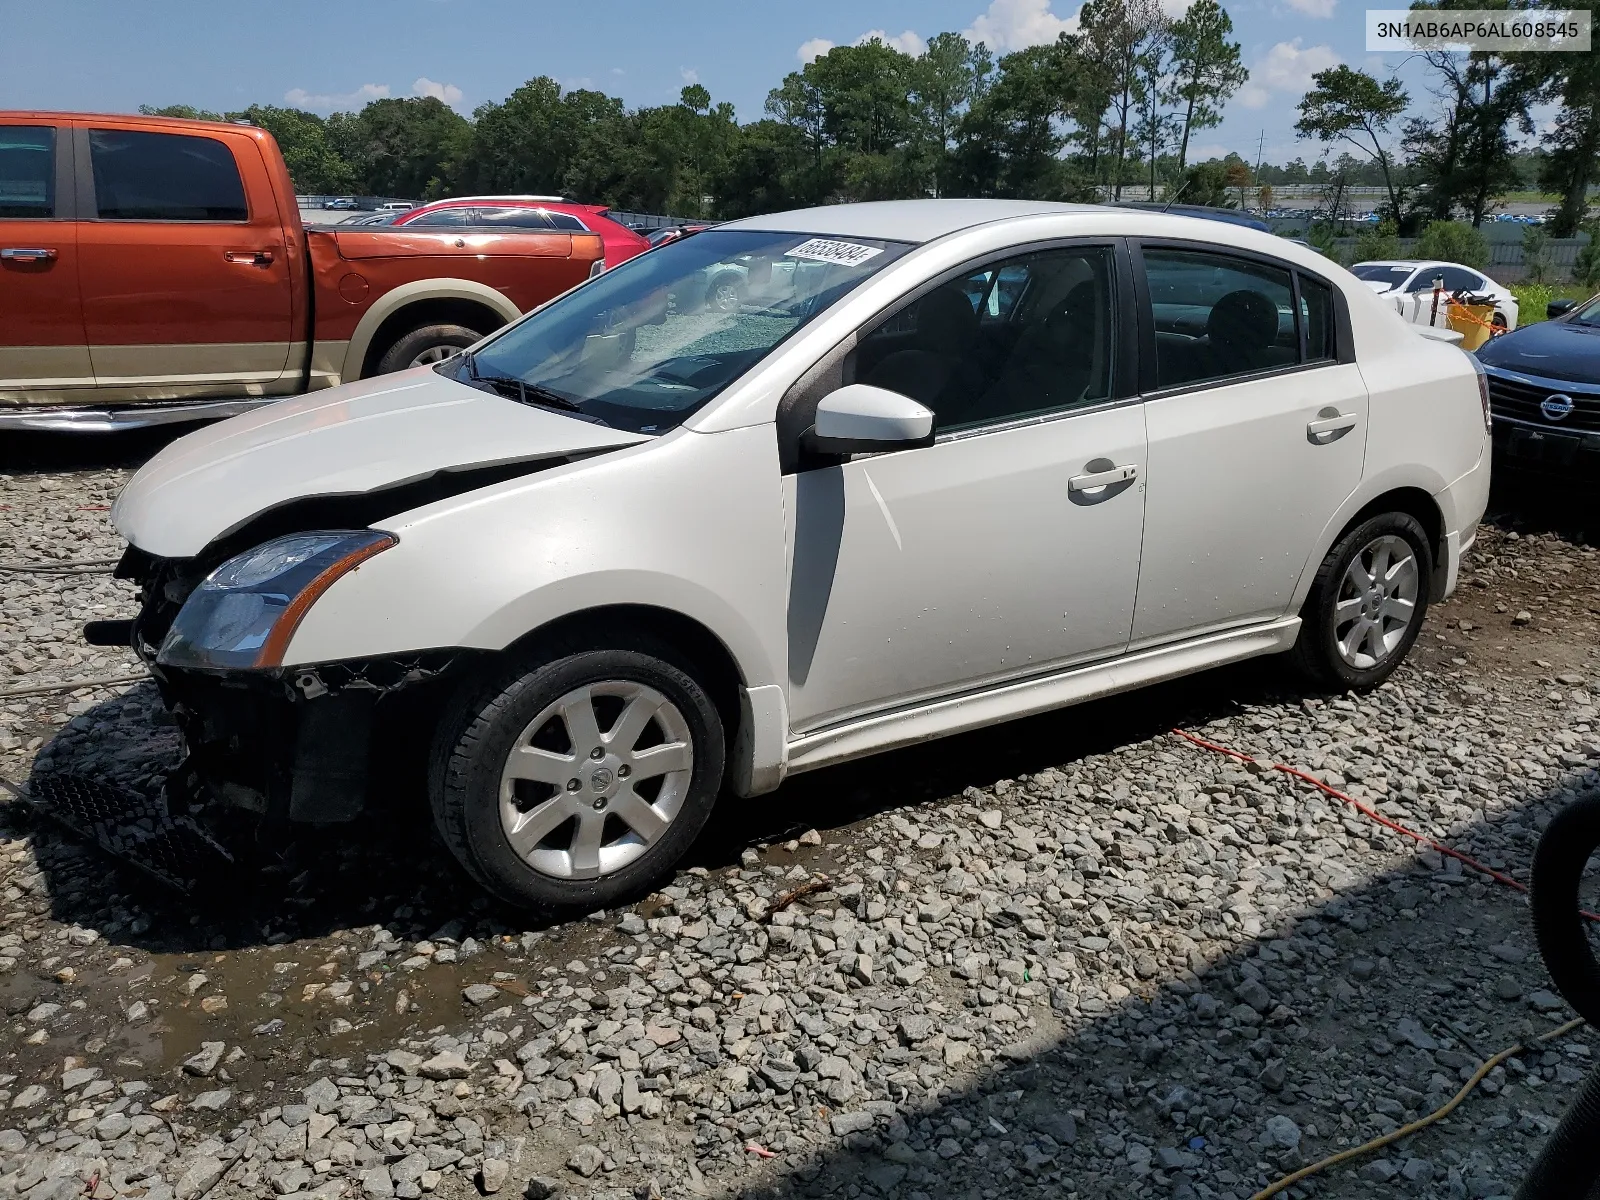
(425, 345)
(581, 782)
(1367, 603)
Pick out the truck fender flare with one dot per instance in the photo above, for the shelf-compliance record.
(393, 301)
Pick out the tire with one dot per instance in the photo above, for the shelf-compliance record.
(1368, 651)
(565, 850)
(426, 344)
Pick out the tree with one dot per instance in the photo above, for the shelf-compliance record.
(1206, 69)
(1350, 105)
(187, 112)
(1453, 241)
(1463, 156)
(1536, 254)
(1571, 159)
(1118, 34)
(1378, 242)
(1155, 125)
(1010, 141)
(1206, 183)
(410, 147)
(314, 165)
(945, 80)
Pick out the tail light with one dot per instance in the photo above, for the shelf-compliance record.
(1483, 393)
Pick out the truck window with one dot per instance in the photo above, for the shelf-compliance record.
(164, 177)
(27, 171)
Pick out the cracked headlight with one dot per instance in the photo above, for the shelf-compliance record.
(245, 612)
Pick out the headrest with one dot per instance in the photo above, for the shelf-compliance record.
(1243, 320)
(946, 323)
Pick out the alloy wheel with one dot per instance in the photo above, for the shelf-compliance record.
(434, 354)
(1377, 602)
(596, 779)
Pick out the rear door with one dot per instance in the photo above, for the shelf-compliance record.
(1257, 419)
(186, 280)
(44, 354)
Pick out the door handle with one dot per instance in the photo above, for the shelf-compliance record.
(28, 254)
(249, 258)
(1100, 479)
(1330, 426)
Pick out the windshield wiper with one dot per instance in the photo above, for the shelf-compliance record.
(531, 394)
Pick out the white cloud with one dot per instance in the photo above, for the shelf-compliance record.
(907, 42)
(329, 101)
(448, 92)
(1200, 153)
(1321, 9)
(1017, 24)
(690, 76)
(1287, 67)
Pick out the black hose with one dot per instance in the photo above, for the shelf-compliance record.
(1558, 920)
(1568, 1167)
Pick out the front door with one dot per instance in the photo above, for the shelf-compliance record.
(1010, 547)
(44, 355)
(1257, 437)
(186, 281)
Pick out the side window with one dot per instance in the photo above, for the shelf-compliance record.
(511, 218)
(1316, 313)
(28, 171)
(1422, 281)
(164, 177)
(954, 351)
(442, 218)
(1456, 279)
(1217, 316)
(565, 221)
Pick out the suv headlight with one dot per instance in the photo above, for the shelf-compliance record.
(245, 612)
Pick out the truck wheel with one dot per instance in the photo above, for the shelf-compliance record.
(580, 783)
(426, 345)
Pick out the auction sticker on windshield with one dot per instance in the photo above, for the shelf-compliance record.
(845, 254)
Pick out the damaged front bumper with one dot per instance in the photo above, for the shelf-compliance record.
(303, 743)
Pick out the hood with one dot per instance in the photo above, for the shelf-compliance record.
(1553, 349)
(1378, 285)
(348, 441)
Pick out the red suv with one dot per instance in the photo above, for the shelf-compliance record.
(528, 212)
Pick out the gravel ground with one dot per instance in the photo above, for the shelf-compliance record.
(1073, 956)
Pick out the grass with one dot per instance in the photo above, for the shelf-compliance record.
(1532, 297)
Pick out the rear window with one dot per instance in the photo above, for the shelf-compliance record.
(164, 177)
(27, 171)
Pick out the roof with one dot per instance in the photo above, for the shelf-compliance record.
(904, 220)
(498, 199)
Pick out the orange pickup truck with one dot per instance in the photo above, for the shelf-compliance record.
(155, 269)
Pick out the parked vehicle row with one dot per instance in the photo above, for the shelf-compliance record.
(939, 464)
(148, 264)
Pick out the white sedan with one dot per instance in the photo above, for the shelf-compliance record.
(1410, 284)
(963, 461)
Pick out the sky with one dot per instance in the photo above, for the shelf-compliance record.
(337, 54)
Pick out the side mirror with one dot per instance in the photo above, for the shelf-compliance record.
(862, 419)
(1559, 308)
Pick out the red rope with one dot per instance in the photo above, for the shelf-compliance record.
(1366, 810)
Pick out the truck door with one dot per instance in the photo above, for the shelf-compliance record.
(44, 355)
(186, 280)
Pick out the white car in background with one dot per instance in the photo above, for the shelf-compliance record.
(978, 460)
(1409, 285)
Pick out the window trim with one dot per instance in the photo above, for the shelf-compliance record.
(1344, 351)
(89, 204)
(61, 165)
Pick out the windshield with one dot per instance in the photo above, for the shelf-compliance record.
(1587, 313)
(1379, 273)
(645, 345)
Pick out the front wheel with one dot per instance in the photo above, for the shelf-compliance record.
(580, 783)
(1366, 604)
(426, 345)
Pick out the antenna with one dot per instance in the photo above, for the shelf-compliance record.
(1176, 194)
